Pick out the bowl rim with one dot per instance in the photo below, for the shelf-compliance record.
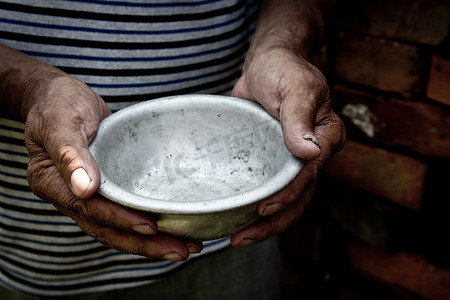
(113, 192)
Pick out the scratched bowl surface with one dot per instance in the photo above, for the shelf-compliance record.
(199, 163)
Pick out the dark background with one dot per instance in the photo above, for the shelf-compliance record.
(379, 225)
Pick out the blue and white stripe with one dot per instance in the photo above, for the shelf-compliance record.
(127, 51)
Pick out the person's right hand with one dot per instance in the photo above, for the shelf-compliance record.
(62, 120)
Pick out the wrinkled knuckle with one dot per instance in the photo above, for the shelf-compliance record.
(102, 237)
(79, 208)
(139, 249)
(35, 173)
(109, 214)
(99, 234)
(135, 248)
(317, 81)
(28, 134)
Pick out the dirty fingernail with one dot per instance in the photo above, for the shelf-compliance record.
(271, 208)
(173, 257)
(144, 229)
(79, 182)
(309, 136)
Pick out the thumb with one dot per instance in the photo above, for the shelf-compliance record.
(85, 178)
(65, 145)
(75, 162)
(58, 129)
(298, 122)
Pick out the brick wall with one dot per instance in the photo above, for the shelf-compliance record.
(379, 225)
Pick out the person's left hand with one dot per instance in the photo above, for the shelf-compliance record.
(295, 92)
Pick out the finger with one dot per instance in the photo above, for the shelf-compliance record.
(294, 97)
(268, 227)
(71, 157)
(66, 139)
(113, 225)
(126, 220)
(109, 213)
(287, 196)
(299, 110)
(140, 239)
(298, 133)
(155, 246)
(46, 182)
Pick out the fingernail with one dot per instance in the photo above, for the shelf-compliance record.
(309, 136)
(271, 208)
(79, 182)
(143, 228)
(192, 249)
(173, 257)
(245, 243)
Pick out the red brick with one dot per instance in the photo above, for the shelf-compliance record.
(423, 21)
(409, 271)
(379, 63)
(438, 87)
(419, 126)
(387, 174)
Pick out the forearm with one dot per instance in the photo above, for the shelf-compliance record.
(298, 25)
(19, 74)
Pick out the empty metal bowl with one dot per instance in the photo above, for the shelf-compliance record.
(199, 163)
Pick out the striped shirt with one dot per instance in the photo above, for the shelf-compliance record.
(127, 51)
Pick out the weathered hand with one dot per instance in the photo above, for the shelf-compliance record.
(296, 93)
(63, 119)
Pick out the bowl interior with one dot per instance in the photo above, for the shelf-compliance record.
(197, 149)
